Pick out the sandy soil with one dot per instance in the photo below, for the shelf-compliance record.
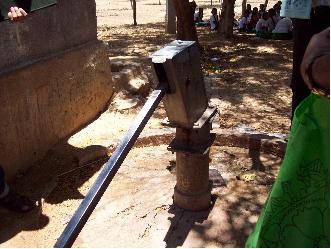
(248, 81)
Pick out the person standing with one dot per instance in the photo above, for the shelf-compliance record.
(214, 23)
(297, 211)
(303, 30)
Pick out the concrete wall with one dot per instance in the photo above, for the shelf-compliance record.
(65, 25)
(54, 77)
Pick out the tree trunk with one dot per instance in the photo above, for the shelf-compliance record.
(243, 7)
(185, 20)
(265, 4)
(170, 17)
(227, 18)
(134, 8)
(211, 2)
(159, 2)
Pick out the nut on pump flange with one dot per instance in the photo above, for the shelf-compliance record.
(186, 104)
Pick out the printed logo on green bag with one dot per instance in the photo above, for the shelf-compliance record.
(287, 223)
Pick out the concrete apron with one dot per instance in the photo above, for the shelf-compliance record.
(137, 209)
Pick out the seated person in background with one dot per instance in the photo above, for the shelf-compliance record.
(262, 9)
(243, 22)
(249, 9)
(277, 8)
(261, 27)
(235, 22)
(214, 23)
(9, 199)
(272, 20)
(253, 20)
(198, 19)
(198, 15)
(283, 29)
(255, 10)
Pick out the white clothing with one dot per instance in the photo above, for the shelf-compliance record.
(249, 17)
(283, 26)
(243, 22)
(261, 25)
(212, 20)
(196, 16)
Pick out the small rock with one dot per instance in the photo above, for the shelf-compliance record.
(216, 178)
(139, 86)
(123, 102)
(91, 153)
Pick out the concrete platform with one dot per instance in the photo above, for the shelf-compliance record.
(137, 209)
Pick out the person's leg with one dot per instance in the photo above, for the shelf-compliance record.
(320, 18)
(302, 32)
(290, 35)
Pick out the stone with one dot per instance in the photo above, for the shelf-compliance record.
(123, 101)
(91, 154)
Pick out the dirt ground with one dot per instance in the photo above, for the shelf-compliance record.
(114, 13)
(246, 78)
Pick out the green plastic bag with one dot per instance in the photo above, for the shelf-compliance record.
(297, 212)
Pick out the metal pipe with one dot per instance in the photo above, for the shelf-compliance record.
(92, 198)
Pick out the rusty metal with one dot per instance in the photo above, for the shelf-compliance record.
(187, 100)
(196, 140)
(192, 147)
(187, 110)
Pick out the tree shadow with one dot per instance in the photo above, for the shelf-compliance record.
(183, 222)
(240, 224)
(249, 73)
(234, 217)
(60, 177)
(54, 179)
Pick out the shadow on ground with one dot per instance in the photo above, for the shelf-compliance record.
(53, 181)
(182, 222)
(247, 77)
(248, 81)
